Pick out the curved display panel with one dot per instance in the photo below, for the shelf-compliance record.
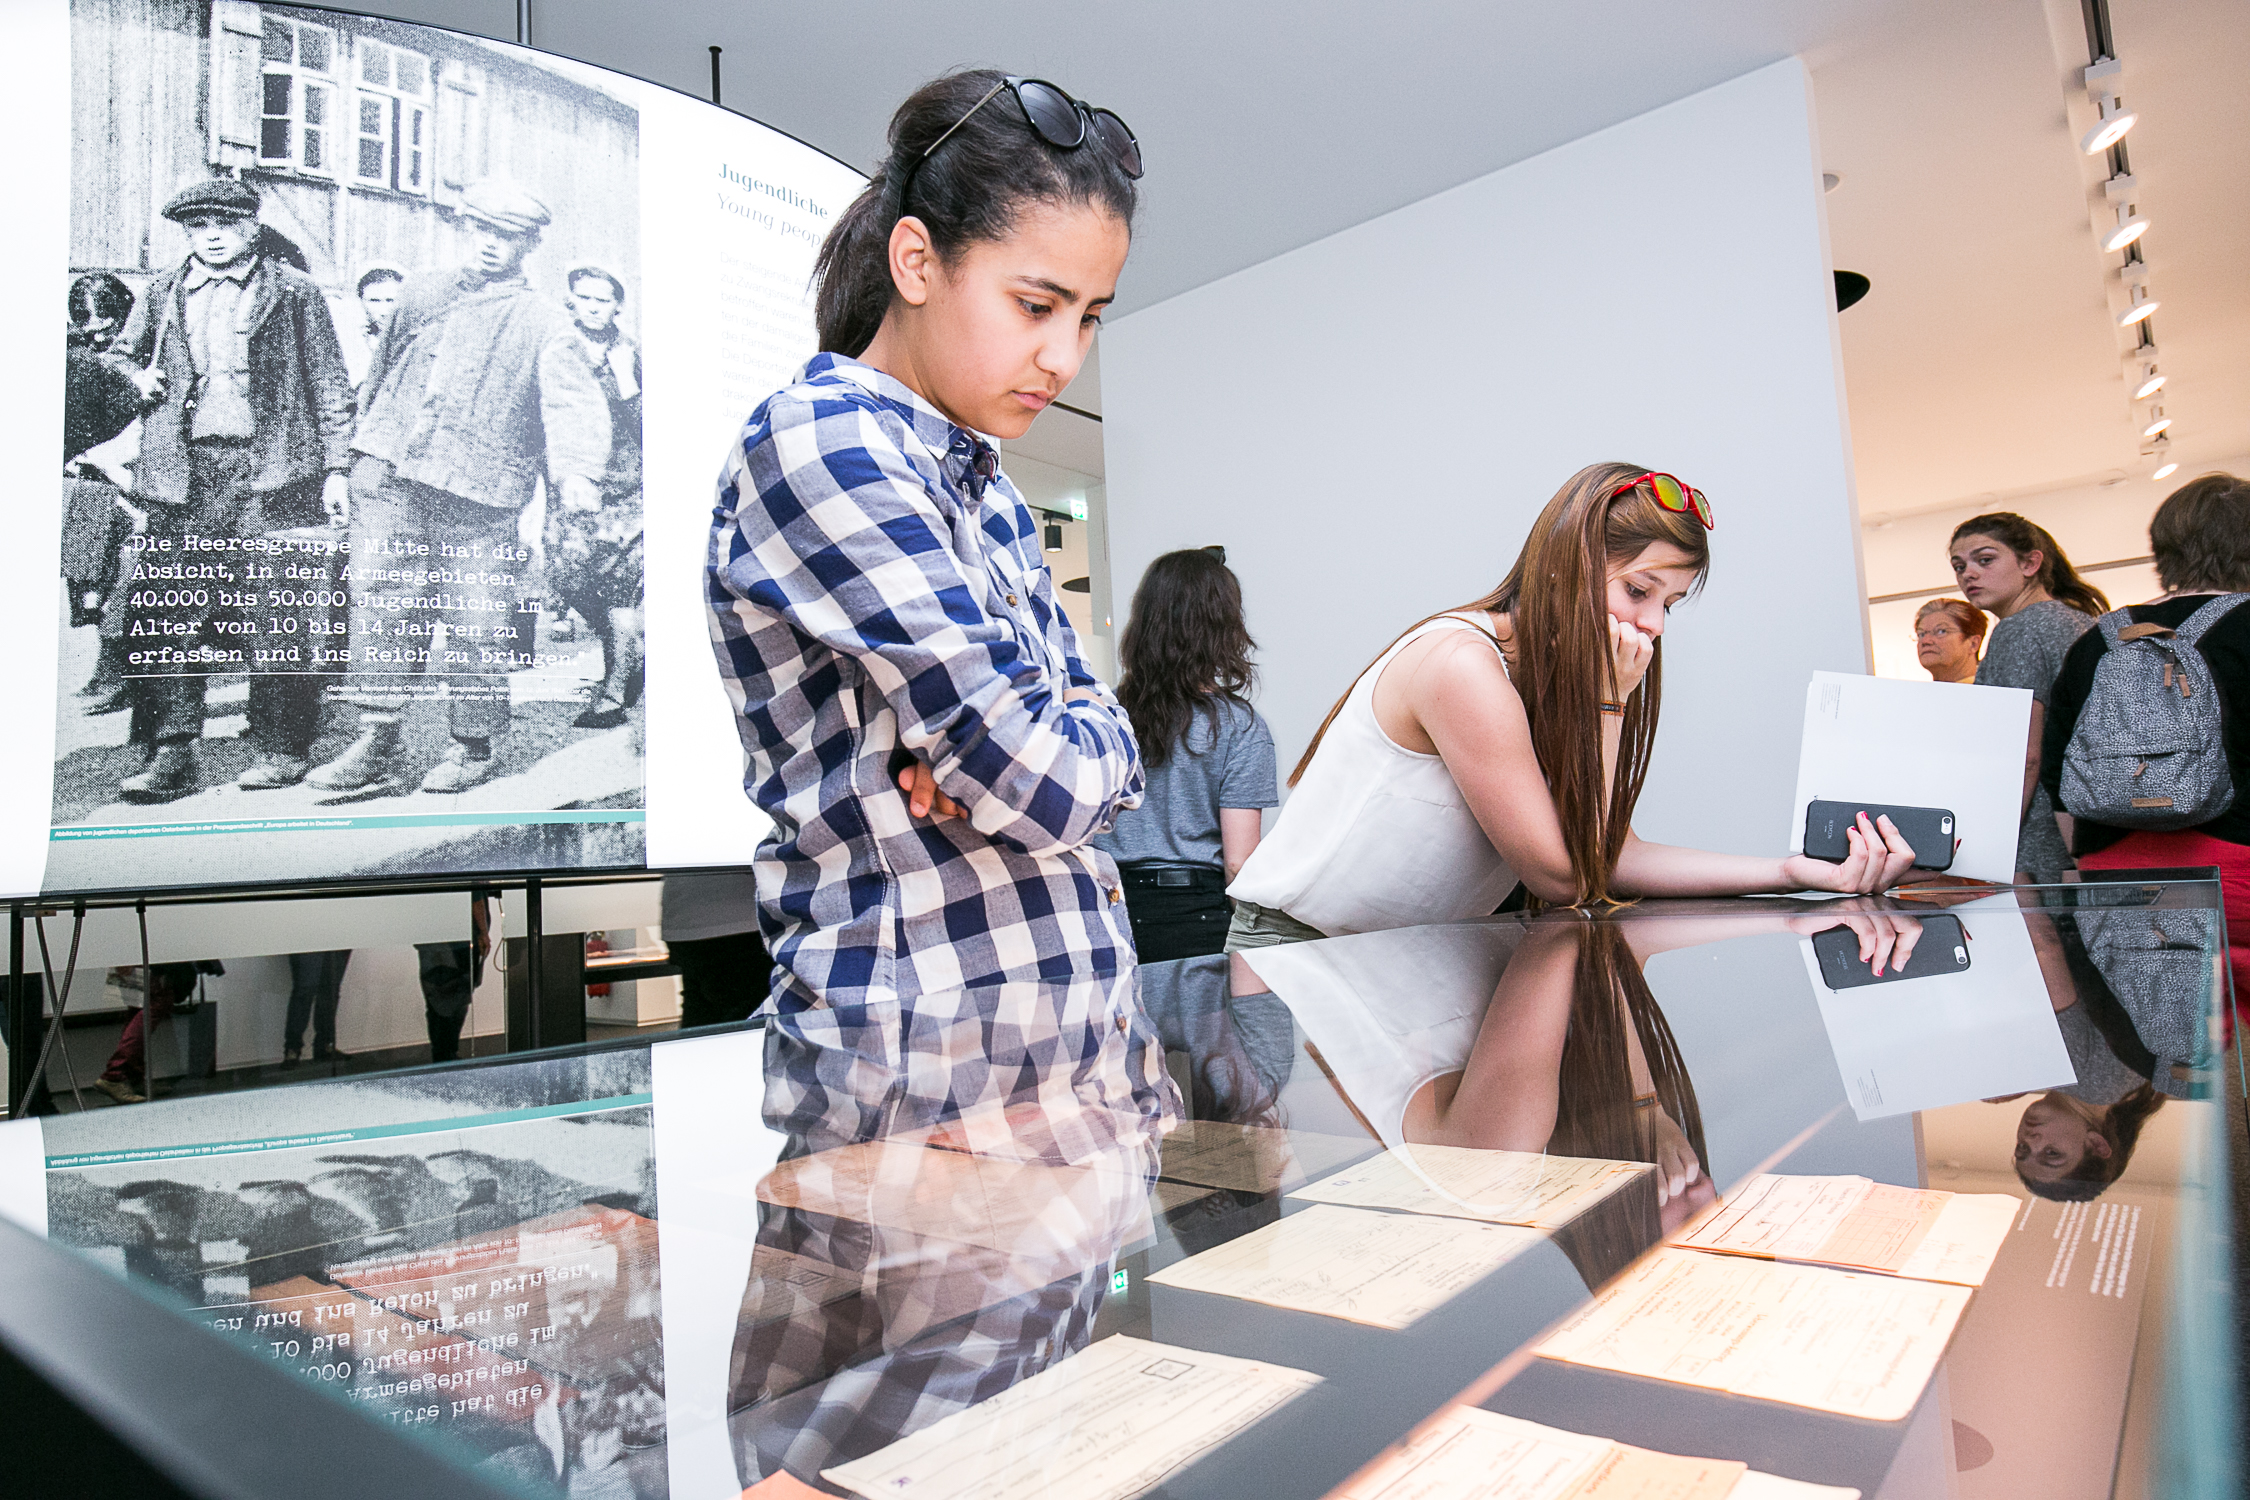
(398, 366)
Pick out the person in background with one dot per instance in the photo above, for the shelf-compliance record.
(450, 974)
(378, 290)
(250, 432)
(1948, 635)
(1508, 740)
(478, 390)
(594, 557)
(168, 985)
(710, 926)
(2200, 536)
(2013, 570)
(1208, 754)
(316, 984)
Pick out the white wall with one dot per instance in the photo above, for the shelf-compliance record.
(1370, 423)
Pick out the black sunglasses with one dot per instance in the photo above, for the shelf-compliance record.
(1059, 120)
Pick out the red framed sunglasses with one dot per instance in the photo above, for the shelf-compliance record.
(1672, 495)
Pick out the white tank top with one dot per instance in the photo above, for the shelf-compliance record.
(1375, 835)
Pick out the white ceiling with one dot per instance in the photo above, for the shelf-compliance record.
(1984, 361)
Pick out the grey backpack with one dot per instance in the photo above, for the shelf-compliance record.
(2146, 751)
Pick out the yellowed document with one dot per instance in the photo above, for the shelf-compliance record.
(1853, 1222)
(1106, 1424)
(1383, 1269)
(1832, 1340)
(1469, 1453)
(1501, 1187)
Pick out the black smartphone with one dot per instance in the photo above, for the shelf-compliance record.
(1929, 830)
(1944, 949)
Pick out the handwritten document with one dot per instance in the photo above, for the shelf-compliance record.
(1838, 1341)
(1864, 1225)
(1469, 1453)
(1383, 1269)
(1106, 1424)
(1502, 1187)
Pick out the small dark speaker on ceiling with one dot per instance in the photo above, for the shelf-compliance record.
(1850, 287)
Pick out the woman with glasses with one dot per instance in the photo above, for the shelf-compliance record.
(916, 716)
(1508, 740)
(1948, 635)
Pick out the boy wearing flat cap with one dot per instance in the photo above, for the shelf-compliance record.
(479, 388)
(250, 431)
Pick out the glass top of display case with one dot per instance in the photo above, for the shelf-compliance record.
(1680, 1199)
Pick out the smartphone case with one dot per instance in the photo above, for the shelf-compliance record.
(1944, 949)
(1929, 830)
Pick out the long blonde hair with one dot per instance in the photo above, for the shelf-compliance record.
(1556, 598)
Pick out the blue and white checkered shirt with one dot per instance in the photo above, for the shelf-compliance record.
(876, 584)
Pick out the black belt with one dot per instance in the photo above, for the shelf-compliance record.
(1145, 877)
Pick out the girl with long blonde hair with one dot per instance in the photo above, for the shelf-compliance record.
(1508, 740)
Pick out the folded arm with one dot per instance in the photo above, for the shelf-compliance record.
(846, 542)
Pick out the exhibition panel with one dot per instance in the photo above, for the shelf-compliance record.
(380, 334)
(1688, 1194)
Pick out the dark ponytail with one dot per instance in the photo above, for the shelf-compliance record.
(2056, 575)
(966, 192)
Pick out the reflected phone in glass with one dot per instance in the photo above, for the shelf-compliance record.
(1929, 830)
(1944, 949)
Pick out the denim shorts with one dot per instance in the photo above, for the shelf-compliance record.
(1257, 926)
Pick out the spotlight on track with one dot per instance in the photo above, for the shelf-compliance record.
(2135, 275)
(2116, 119)
(2157, 422)
(1054, 536)
(2141, 373)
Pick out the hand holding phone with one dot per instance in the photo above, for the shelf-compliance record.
(1928, 829)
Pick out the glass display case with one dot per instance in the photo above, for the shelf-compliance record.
(1684, 1196)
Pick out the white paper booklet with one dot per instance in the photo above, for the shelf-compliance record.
(1838, 1341)
(1501, 1187)
(1383, 1269)
(1468, 1453)
(1919, 744)
(1864, 1225)
(1106, 1424)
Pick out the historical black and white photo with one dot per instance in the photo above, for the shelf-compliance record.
(352, 542)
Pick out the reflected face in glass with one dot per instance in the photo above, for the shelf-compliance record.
(2053, 1141)
(1643, 589)
(1990, 574)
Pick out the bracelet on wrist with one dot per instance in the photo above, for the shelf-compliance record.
(1611, 706)
(1644, 1101)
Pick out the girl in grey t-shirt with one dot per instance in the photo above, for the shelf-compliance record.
(2011, 568)
(1209, 756)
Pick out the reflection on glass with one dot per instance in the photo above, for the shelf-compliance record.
(956, 1183)
(1541, 1039)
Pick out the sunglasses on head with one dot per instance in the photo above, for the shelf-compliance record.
(1061, 121)
(1673, 496)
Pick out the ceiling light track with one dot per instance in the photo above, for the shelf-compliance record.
(2122, 230)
